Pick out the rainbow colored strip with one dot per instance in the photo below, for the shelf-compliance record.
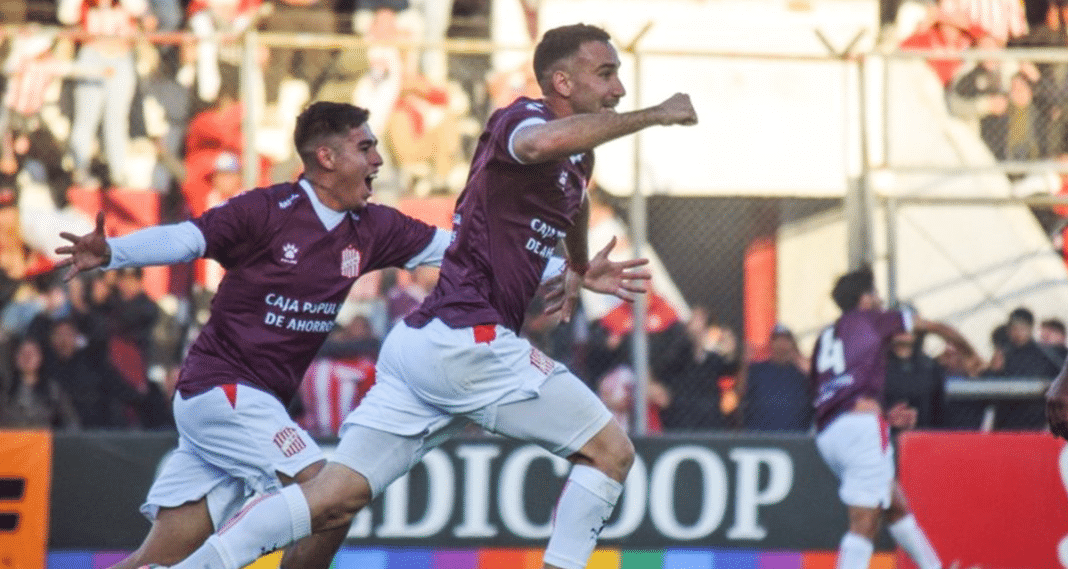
(418, 558)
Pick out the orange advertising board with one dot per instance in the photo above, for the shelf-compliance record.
(25, 478)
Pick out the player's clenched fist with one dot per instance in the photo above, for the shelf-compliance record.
(678, 109)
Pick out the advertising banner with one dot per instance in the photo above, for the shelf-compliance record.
(989, 500)
(25, 468)
(758, 493)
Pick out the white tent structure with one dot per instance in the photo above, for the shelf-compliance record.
(778, 117)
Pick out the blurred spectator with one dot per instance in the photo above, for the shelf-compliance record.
(1020, 124)
(408, 292)
(1023, 356)
(1003, 19)
(338, 377)
(213, 131)
(34, 400)
(1051, 89)
(945, 31)
(97, 390)
(776, 391)
(914, 380)
(1053, 338)
(307, 65)
(616, 390)
(217, 25)
(696, 378)
(999, 343)
(981, 94)
(111, 26)
(132, 317)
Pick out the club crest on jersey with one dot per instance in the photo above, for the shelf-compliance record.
(289, 253)
(350, 262)
(541, 362)
(289, 441)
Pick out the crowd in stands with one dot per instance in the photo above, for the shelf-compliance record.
(97, 108)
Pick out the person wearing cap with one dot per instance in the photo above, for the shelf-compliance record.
(775, 390)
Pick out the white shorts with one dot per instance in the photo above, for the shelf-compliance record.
(430, 381)
(856, 446)
(228, 451)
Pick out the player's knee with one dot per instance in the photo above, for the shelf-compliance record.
(335, 497)
(618, 456)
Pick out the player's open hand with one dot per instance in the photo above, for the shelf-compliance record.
(1057, 407)
(86, 252)
(622, 279)
(678, 109)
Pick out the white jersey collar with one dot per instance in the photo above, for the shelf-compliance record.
(329, 217)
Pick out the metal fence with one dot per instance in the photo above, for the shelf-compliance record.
(951, 192)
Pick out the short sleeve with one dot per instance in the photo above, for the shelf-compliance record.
(234, 227)
(509, 120)
(397, 238)
(892, 322)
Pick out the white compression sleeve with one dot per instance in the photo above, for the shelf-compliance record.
(158, 245)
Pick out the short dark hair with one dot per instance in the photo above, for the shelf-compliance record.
(1023, 315)
(851, 286)
(1055, 324)
(562, 42)
(323, 119)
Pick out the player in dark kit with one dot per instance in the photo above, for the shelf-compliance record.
(525, 193)
(292, 252)
(849, 372)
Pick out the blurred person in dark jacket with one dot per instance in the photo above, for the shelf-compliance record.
(915, 382)
(777, 392)
(34, 400)
(97, 390)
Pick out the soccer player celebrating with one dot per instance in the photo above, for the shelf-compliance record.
(848, 370)
(525, 192)
(292, 252)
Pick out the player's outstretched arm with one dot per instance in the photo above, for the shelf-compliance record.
(1057, 404)
(558, 138)
(86, 252)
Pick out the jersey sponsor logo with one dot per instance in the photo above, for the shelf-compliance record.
(288, 201)
(540, 361)
(289, 441)
(289, 253)
(350, 262)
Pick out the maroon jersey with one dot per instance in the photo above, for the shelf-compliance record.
(849, 359)
(286, 278)
(506, 225)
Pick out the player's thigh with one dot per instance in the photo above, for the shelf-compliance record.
(562, 418)
(381, 457)
(856, 447)
(246, 433)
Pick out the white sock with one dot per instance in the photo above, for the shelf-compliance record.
(264, 525)
(908, 534)
(585, 505)
(854, 552)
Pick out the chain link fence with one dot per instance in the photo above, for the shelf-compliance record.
(950, 191)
